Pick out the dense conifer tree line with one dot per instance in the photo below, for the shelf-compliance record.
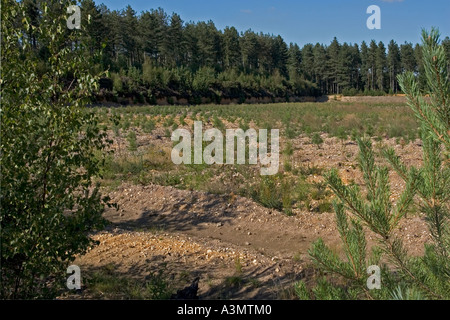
(153, 55)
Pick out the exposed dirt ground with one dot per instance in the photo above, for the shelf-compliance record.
(215, 237)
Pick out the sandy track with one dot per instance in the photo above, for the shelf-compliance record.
(192, 234)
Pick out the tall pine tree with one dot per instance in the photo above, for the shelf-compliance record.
(381, 66)
(394, 65)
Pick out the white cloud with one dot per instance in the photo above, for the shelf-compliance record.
(247, 11)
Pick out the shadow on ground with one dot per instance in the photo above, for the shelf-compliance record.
(255, 283)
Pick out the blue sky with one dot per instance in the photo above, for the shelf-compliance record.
(310, 21)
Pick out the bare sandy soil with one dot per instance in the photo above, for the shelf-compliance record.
(195, 234)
